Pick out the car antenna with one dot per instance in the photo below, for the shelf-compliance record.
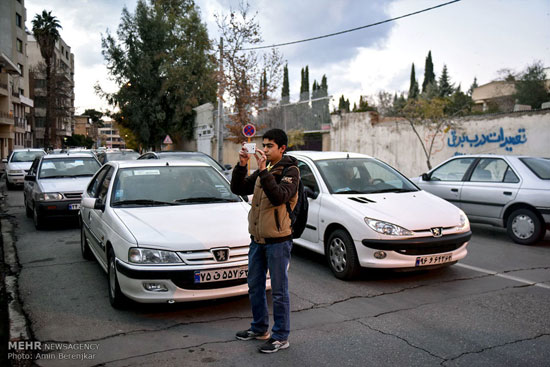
(167, 164)
(347, 156)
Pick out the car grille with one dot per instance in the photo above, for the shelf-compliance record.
(205, 257)
(73, 195)
(429, 250)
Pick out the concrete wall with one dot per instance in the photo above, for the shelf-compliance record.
(395, 143)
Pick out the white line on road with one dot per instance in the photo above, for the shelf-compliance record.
(491, 272)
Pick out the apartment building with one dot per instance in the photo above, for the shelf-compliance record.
(84, 126)
(15, 101)
(62, 78)
(109, 136)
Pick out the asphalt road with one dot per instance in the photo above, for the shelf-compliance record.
(491, 309)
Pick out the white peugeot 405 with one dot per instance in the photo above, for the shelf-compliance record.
(363, 213)
(166, 231)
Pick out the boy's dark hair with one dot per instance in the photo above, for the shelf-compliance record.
(277, 135)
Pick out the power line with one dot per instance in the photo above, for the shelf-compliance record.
(352, 29)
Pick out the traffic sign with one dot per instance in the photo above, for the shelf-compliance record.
(249, 130)
(167, 140)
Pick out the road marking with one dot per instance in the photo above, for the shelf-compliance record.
(491, 272)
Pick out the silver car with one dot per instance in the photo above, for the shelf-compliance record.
(53, 188)
(501, 190)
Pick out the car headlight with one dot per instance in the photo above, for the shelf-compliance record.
(464, 222)
(46, 196)
(15, 171)
(149, 256)
(387, 228)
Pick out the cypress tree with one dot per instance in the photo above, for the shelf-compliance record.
(304, 89)
(286, 89)
(429, 76)
(472, 87)
(413, 88)
(445, 86)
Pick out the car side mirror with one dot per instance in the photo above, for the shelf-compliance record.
(245, 198)
(4, 160)
(92, 203)
(310, 193)
(30, 178)
(425, 177)
(227, 166)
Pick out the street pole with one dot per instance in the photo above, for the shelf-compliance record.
(220, 107)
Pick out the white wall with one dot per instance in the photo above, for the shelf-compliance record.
(395, 143)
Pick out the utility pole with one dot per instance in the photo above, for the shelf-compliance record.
(220, 107)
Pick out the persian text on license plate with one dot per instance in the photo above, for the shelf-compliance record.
(74, 206)
(433, 259)
(220, 275)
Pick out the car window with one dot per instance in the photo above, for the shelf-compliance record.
(93, 187)
(452, 171)
(120, 156)
(539, 166)
(489, 170)
(68, 167)
(170, 185)
(104, 186)
(307, 177)
(27, 156)
(510, 176)
(362, 175)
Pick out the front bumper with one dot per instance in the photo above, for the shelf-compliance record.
(179, 283)
(16, 179)
(404, 253)
(54, 209)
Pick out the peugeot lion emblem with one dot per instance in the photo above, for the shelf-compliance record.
(221, 254)
(437, 231)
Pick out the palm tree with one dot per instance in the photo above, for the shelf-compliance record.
(45, 29)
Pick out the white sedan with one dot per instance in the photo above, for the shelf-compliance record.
(166, 231)
(363, 213)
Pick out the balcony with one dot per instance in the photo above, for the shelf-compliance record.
(6, 118)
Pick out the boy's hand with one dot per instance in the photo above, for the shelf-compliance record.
(261, 159)
(243, 156)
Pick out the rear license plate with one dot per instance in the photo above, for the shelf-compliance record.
(433, 259)
(74, 206)
(220, 275)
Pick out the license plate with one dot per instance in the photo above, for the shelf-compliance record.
(220, 275)
(433, 259)
(74, 206)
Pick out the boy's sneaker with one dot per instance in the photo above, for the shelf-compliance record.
(249, 335)
(272, 345)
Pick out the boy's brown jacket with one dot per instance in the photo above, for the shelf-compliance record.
(268, 219)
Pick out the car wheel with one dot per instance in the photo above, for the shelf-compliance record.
(84, 247)
(28, 210)
(38, 219)
(525, 227)
(116, 297)
(341, 255)
(8, 184)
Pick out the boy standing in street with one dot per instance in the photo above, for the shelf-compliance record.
(270, 230)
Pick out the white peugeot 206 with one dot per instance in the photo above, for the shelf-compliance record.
(364, 213)
(166, 231)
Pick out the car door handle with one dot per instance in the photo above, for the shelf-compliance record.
(454, 190)
(507, 193)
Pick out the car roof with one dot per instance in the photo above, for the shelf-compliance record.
(166, 152)
(66, 155)
(29, 150)
(157, 163)
(317, 156)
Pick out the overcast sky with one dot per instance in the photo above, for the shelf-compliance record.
(474, 38)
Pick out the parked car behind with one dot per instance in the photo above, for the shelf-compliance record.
(18, 163)
(363, 213)
(53, 188)
(117, 155)
(502, 190)
(226, 170)
(165, 231)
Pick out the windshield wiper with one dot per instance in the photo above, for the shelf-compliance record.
(58, 176)
(142, 202)
(205, 200)
(393, 189)
(83, 175)
(349, 192)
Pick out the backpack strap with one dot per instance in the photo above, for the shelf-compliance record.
(285, 170)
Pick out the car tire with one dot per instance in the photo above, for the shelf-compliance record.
(37, 218)
(341, 255)
(8, 184)
(525, 227)
(84, 247)
(28, 210)
(116, 297)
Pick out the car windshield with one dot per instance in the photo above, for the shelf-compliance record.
(362, 176)
(194, 157)
(170, 185)
(68, 167)
(27, 156)
(539, 166)
(121, 156)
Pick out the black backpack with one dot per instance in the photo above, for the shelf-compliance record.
(298, 216)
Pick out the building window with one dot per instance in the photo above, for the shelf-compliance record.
(19, 45)
(18, 20)
(39, 121)
(21, 69)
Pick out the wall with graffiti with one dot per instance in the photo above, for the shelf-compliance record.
(395, 142)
